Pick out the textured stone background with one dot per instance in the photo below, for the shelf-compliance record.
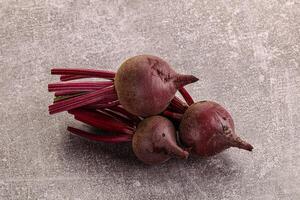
(246, 54)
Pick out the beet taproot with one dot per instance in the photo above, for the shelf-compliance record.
(154, 141)
(208, 128)
(146, 84)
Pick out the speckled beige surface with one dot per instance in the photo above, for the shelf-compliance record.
(245, 53)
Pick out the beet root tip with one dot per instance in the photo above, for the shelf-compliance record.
(248, 147)
(241, 144)
(182, 80)
(178, 151)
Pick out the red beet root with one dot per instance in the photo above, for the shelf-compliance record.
(154, 141)
(144, 85)
(208, 129)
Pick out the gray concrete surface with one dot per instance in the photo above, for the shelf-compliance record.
(246, 54)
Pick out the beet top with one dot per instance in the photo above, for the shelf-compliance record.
(208, 129)
(146, 84)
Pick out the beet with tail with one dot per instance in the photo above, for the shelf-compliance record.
(207, 128)
(154, 141)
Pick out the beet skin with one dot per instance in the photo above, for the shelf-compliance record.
(146, 84)
(154, 141)
(207, 128)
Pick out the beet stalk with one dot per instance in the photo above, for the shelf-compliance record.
(83, 73)
(101, 138)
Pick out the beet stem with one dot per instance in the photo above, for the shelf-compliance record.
(101, 105)
(121, 110)
(67, 92)
(173, 115)
(81, 100)
(73, 77)
(82, 86)
(178, 105)
(187, 97)
(101, 121)
(118, 116)
(100, 138)
(84, 72)
(65, 97)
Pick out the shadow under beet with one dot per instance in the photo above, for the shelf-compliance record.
(91, 157)
(116, 164)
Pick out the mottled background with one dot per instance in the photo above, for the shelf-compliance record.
(245, 53)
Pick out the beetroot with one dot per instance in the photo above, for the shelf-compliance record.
(207, 128)
(144, 85)
(154, 141)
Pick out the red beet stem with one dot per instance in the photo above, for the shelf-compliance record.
(177, 105)
(81, 86)
(82, 100)
(65, 97)
(101, 121)
(119, 117)
(173, 115)
(130, 116)
(187, 97)
(84, 72)
(66, 92)
(101, 138)
(102, 105)
(182, 80)
(73, 77)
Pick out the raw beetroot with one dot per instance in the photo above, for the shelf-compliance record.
(144, 85)
(207, 128)
(154, 141)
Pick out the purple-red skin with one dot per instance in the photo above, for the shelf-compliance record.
(154, 141)
(146, 84)
(207, 128)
